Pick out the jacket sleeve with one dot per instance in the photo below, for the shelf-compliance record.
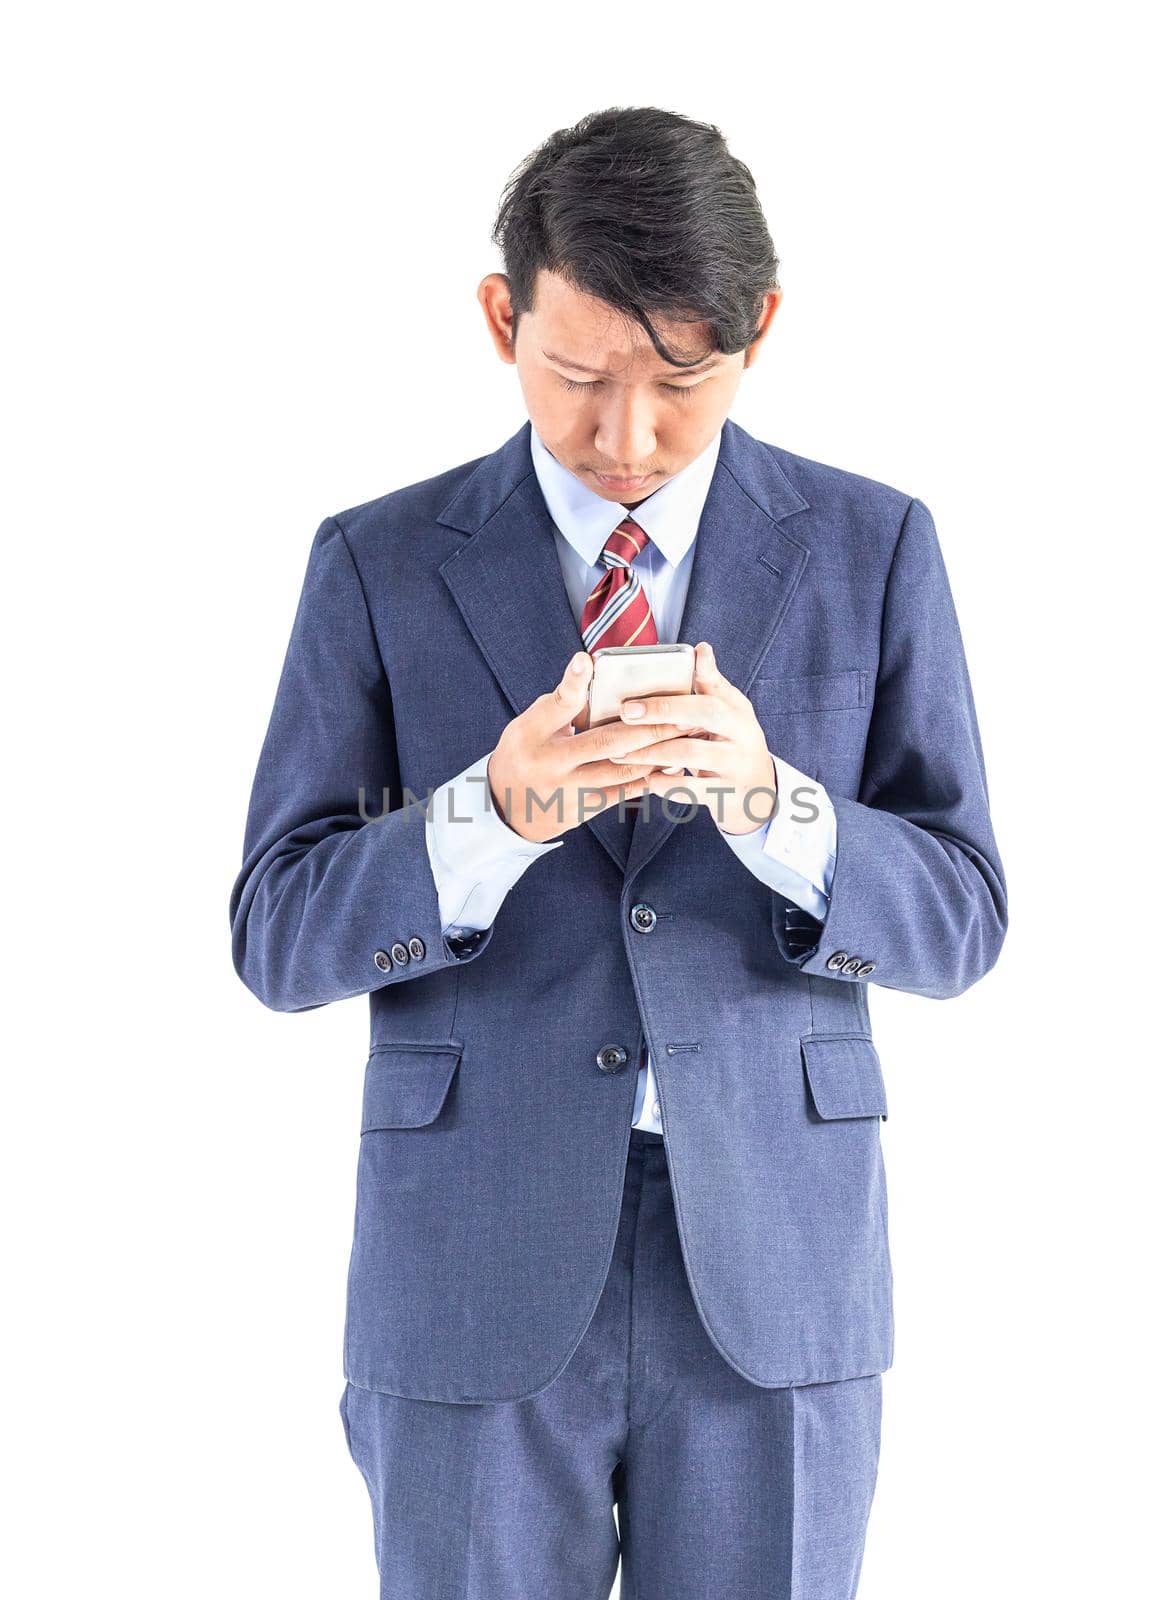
(918, 899)
(335, 896)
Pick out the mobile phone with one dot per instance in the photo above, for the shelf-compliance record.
(623, 672)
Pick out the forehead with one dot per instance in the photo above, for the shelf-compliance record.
(577, 328)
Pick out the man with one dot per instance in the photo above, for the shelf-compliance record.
(621, 1222)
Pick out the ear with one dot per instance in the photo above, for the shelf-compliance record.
(495, 297)
(771, 305)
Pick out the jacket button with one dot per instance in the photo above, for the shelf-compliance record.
(837, 960)
(400, 953)
(417, 948)
(643, 917)
(382, 961)
(612, 1057)
(866, 968)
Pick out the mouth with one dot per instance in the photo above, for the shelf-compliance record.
(622, 485)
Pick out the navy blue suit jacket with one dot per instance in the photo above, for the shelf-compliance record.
(501, 1073)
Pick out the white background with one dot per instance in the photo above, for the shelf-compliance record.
(243, 244)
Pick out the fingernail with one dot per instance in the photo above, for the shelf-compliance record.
(577, 664)
(633, 708)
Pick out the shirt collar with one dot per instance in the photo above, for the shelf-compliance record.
(670, 515)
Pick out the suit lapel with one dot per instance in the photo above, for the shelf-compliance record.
(507, 582)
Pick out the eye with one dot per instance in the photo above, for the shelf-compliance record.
(580, 388)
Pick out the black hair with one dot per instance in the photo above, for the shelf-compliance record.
(648, 211)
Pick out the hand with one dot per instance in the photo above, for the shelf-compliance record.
(546, 777)
(729, 752)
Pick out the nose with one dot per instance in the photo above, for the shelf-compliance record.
(626, 437)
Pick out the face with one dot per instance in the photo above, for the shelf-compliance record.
(600, 396)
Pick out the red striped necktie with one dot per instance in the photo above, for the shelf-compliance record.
(618, 611)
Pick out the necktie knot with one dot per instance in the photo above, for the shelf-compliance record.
(617, 611)
(625, 544)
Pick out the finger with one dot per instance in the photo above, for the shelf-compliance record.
(598, 797)
(614, 740)
(694, 753)
(713, 794)
(711, 713)
(629, 788)
(556, 710)
(605, 774)
(684, 789)
(710, 681)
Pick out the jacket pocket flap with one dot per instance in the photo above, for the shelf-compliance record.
(844, 1075)
(406, 1085)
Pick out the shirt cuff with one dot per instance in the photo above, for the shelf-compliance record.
(475, 856)
(794, 851)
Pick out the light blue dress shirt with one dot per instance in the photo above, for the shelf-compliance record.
(476, 858)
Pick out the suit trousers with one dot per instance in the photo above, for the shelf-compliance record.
(723, 1490)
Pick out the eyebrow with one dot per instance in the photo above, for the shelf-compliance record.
(598, 372)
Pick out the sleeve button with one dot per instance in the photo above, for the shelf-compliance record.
(382, 961)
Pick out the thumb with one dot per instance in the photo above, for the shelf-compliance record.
(708, 678)
(571, 693)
